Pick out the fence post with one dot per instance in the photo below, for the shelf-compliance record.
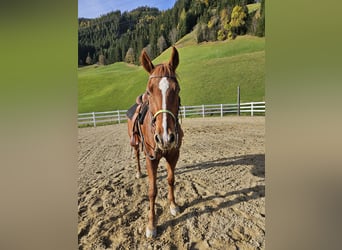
(203, 111)
(221, 110)
(94, 120)
(238, 101)
(118, 116)
(183, 111)
(252, 113)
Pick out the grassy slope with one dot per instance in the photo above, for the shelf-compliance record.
(209, 73)
(109, 87)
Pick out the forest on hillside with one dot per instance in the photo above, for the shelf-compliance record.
(117, 36)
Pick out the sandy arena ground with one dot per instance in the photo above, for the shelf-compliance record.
(219, 185)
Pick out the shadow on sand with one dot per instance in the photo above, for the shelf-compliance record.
(255, 192)
(256, 160)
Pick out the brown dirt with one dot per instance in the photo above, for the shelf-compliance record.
(220, 187)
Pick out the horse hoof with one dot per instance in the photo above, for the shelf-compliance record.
(174, 210)
(151, 233)
(138, 175)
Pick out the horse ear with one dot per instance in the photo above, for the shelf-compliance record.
(146, 61)
(174, 60)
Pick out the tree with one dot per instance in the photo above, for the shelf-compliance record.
(213, 27)
(221, 35)
(173, 35)
(238, 20)
(117, 53)
(88, 59)
(148, 49)
(101, 58)
(260, 31)
(94, 58)
(111, 55)
(161, 44)
(224, 29)
(129, 58)
(202, 32)
(182, 24)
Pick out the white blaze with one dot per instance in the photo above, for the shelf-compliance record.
(163, 86)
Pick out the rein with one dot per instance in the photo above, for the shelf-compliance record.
(151, 157)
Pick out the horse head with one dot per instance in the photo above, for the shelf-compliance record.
(162, 91)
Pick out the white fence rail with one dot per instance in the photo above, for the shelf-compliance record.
(119, 116)
(94, 118)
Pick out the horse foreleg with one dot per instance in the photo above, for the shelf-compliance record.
(137, 157)
(151, 229)
(171, 164)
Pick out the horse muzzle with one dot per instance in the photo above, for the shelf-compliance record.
(166, 142)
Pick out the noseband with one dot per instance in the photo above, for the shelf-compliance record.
(154, 117)
(163, 111)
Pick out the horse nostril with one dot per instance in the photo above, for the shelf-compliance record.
(171, 138)
(157, 138)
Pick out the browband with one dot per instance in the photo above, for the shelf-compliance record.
(157, 76)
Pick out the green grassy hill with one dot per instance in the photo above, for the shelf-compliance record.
(209, 73)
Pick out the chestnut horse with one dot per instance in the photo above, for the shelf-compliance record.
(158, 132)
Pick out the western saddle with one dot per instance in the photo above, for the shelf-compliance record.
(137, 114)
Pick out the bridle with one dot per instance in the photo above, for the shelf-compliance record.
(156, 150)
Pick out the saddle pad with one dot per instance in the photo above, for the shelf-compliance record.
(131, 111)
